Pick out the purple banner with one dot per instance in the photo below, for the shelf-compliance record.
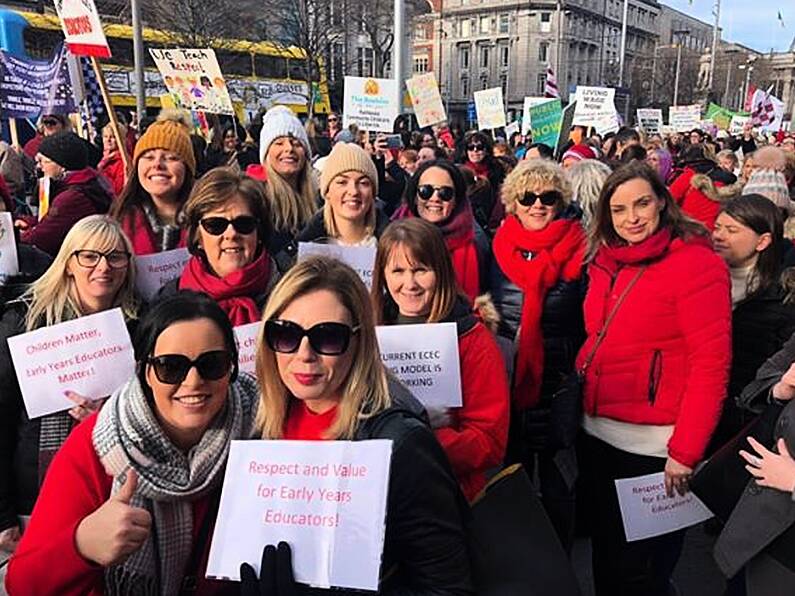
(32, 87)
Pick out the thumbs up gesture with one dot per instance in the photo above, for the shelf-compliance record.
(115, 530)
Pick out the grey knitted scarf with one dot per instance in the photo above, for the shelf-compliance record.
(128, 435)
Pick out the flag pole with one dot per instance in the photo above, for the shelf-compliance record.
(114, 123)
(12, 126)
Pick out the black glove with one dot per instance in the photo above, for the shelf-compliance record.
(275, 574)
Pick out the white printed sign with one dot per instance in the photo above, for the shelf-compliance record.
(9, 261)
(684, 118)
(426, 99)
(154, 271)
(91, 356)
(194, 79)
(246, 336)
(737, 124)
(511, 129)
(490, 108)
(327, 499)
(359, 258)
(82, 28)
(647, 511)
(530, 102)
(371, 104)
(650, 120)
(425, 359)
(595, 107)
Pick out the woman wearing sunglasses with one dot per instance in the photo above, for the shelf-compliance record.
(349, 187)
(478, 156)
(414, 282)
(322, 379)
(538, 287)
(129, 504)
(228, 228)
(91, 273)
(437, 193)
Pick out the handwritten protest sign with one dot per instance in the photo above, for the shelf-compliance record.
(545, 121)
(152, 272)
(490, 108)
(246, 336)
(425, 359)
(82, 28)
(327, 499)
(91, 356)
(194, 79)
(512, 129)
(684, 118)
(9, 262)
(530, 102)
(31, 87)
(647, 511)
(360, 258)
(594, 106)
(371, 104)
(650, 120)
(426, 99)
(737, 124)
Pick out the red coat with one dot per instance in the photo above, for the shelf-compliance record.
(476, 439)
(76, 485)
(698, 198)
(666, 356)
(112, 168)
(137, 228)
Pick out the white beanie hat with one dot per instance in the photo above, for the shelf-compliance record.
(277, 122)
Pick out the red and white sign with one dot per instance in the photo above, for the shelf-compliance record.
(82, 28)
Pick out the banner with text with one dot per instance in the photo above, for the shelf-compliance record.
(194, 79)
(371, 104)
(360, 258)
(426, 99)
(82, 28)
(9, 261)
(91, 356)
(327, 499)
(545, 120)
(425, 359)
(650, 120)
(154, 271)
(684, 118)
(490, 108)
(32, 87)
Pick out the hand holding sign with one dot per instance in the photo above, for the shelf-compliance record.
(115, 530)
(85, 406)
(275, 574)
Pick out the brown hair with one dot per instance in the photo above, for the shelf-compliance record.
(671, 216)
(424, 243)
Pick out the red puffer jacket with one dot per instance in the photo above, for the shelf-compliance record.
(666, 356)
(702, 196)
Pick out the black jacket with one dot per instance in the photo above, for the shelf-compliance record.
(315, 230)
(390, 189)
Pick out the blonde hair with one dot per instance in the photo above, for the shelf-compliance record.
(364, 391)
(530, 173)
(291, 208)
(52, 298)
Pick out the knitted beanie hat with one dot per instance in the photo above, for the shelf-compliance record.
(277, 122)
(771, 185)
(172, 133)
(347, 157)
(66, 149)
(579, 152)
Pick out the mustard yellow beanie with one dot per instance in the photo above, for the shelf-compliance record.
(172, 133)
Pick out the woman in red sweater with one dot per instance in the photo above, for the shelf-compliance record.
(414, 282)
(129, 502)
(655, 384)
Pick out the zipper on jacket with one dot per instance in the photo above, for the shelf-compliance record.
(655, 372)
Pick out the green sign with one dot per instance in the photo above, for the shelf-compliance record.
(721, 116)
(545, 122)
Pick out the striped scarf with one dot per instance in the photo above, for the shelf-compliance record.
(128, 435)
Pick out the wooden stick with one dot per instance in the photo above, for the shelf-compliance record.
(114, 123)
(12, 125)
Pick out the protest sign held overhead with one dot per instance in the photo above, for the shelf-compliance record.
(530, 102)
(426, 99)
(31, 87)
(545, 119)
(684, 118)
(154, 271)
(327, 499)
(91, 356)
(595, 106)
(82, 28)
(371, 104)
(359, 258)
(194, 79)
(490, 108)
(650, 120)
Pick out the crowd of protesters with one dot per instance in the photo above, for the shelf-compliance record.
(657, 266)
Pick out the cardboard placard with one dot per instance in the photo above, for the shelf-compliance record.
(737, 123)
(359, 258)
(426, 99)
(545, 119)
(194, 79)
(490, 108)
(91, 355)
(154, 271)
(327, 499)
(595, 105)
(684, 118)
(530, 102)
(371, 104)
(650, 120)
(82, 28)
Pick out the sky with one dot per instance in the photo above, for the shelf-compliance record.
(753, 23)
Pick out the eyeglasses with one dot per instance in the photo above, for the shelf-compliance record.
(328, 339)
(115, 259)
(476, 147)
(332, 120)
(172, 369)
(445, 193)
(244, 224)
(547, 198)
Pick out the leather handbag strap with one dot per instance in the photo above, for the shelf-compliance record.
(603, 332)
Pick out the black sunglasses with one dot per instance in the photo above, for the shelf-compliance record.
(547, 198)
(50, 122)
(328, 339)
(173, 368)
(476, 147)
(244, 224)
(445, 193)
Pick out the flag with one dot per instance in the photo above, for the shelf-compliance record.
(551, 84)
(93, 106)
(767, 111)
(749, 97)
(781, 19)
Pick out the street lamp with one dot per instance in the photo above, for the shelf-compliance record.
(680, 33)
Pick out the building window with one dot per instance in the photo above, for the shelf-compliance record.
(546, 22)
(464, 87)
(543, 51)
(485, 25)
(364, 62)
(484, 56)
(337, 61)
(505, 53)
(466, 28)
(420, 32)
(463, 57)
(505, 23)
(504, 85)
(541, 83)
(420, 64)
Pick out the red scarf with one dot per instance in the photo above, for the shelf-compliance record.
(480, 169)
(233, 292)
(557, 254)
(612, 258)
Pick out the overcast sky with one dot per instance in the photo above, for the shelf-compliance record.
(753, 23)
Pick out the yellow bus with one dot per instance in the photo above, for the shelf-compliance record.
(258, 74)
